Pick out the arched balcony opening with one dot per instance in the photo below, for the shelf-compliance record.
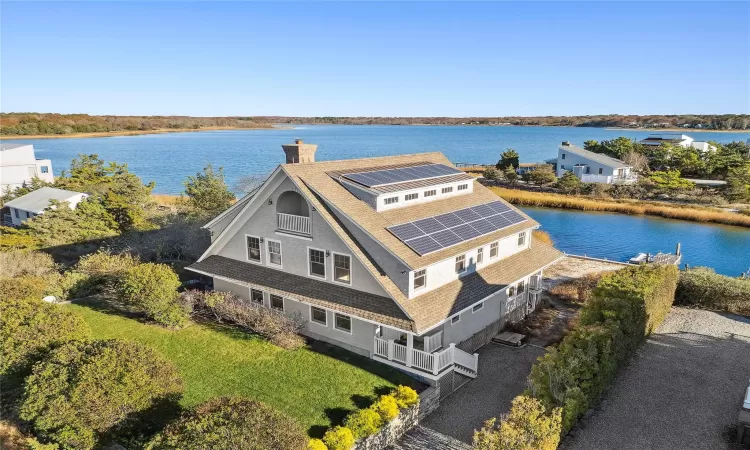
(293, 213)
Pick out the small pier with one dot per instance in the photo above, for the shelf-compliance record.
(658, 258)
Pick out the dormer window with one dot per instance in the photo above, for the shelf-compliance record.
(420, 279)
(461, 264)
(447, 190)
(390, 200)
(430, 193)
(521, 239)
(463, 187)
(409, 197)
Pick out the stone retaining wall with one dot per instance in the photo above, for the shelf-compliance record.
(429, 400)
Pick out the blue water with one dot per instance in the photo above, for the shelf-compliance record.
(620, 237)
(168, 158)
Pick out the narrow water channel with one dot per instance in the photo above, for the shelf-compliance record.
(620, 237)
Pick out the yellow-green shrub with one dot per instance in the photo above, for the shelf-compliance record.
(527, 426)
(363, 422)
(152, 289)
(386, 407)
(316, 444)
(405, 396)
(339, 438)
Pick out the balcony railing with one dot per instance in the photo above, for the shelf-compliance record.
(295, 224)
(433, 363)
(535, 283)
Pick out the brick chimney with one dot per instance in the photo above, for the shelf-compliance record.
(299, 152)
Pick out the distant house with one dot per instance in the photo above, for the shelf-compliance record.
(34, 203)
(592, 167)
(18, 166)
(683, 140)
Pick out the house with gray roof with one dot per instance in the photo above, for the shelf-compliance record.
(36, 202)
(592, 167)
(19, 166)
(402, 259)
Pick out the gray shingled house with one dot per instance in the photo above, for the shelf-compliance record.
(402, 259)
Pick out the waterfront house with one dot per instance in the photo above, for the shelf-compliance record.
(683, 140)
(402, 259)
(34, 203)
(18, 166)
(592, 167)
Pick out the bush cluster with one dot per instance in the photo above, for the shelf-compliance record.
(702, 287)
(282, 330)
(84, 393)
(527, 426)
(367, 421)
(625, 307)
(100, 272)
(152, 289)
(228, 423)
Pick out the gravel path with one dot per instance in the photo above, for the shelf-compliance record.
(682, 391)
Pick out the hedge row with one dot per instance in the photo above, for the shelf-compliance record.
(625, 307)
(702, 287)
(366, 422)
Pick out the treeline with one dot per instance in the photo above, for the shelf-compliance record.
(24, 124)
(688, 121)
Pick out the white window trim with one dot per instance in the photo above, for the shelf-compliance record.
(283, 303)
(333, 269)
(497, 245)
(414, 278)
(309, 264)
(415, 194)
(263, 300)
(457, 317)
(455, 261)
(268, 262)
(247, 249)
(480, 252)
(522, 233)
(478, 307)
(387, 203)
(315, 321)
(351, 323)
(433, 193)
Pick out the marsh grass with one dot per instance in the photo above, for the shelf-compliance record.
(550, 200)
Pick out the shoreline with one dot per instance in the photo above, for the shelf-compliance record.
(641, 208)
(671, 130)
(104, 134)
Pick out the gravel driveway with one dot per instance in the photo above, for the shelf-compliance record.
(682, 391)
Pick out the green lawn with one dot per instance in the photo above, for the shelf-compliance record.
(316, 385)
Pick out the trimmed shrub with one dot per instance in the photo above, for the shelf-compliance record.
(527, 426)
(83, 393)
(29, 327)
(100, 272)
(363, 422)
(21, 288)
(701, 287)
(316, 444)
(152, 289)
(387, 407)
(22, 263)
(282, 330)
(228, 423)
(339, 438)
(405, 396)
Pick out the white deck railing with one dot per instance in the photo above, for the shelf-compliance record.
(434, 342)
(297, 224)
(535, 283)
(423, 360)
(432, 362)
(399, 352)
(381, 347)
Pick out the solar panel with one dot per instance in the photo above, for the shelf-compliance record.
(435, 233)
(390, 176)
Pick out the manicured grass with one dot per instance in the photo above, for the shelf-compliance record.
(316, 385)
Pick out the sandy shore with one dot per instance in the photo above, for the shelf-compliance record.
(132, 133)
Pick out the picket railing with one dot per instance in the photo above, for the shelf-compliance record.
(297, 224)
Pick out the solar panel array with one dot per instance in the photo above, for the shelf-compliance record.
(390, 176)
(436, 233)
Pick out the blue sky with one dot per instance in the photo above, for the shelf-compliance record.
(372, 59)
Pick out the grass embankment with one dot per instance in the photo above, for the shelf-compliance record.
(316, 385)
(550, 200)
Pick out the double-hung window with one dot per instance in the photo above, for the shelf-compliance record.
(256, 296)
(409, 197)
(420, 279)
(317, 263)
(342, 268)
(521, 238)
(277, 302)
(318, 315)
(460, 263)
(253, 248)
(45, 169)
(480, 255)
(343, 323)
(493, 250)
(274, 253)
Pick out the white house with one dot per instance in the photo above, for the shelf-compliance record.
(592, 167)
(683, 140)
(34, 203)
(18, 166)
(402, 259)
